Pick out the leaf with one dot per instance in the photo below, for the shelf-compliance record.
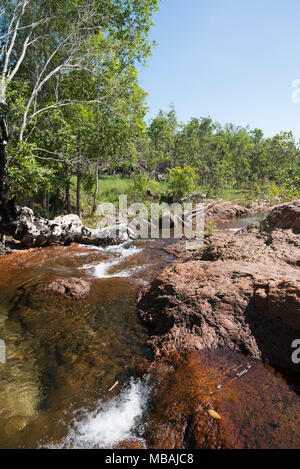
(214, 415)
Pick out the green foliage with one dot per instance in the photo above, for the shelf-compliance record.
(89, 114)
(26, 176)
(181, 181)
(210, 227)
(83, 106)
(140, 184)
(88, 182)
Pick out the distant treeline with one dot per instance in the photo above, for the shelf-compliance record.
(71, 108)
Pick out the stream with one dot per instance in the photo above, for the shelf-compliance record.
(69, 379)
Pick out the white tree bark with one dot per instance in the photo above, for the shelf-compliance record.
(71, 52)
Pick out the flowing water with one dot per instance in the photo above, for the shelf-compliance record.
(64, 355)
(69, 377)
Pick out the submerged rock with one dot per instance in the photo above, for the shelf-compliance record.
(69, 288)
(257, 407)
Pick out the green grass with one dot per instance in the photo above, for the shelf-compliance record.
(111, 187)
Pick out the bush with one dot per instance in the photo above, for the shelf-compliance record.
(140, 184)
(181, 181)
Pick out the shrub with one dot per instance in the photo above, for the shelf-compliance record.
(181, 181)
(140, 183)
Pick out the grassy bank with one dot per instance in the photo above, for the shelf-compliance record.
(111, 187)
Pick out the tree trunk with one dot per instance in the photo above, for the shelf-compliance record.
(4, 184)
(96, 187)
(78, 192)
(45, 203)
(68, 198)
(79, 177)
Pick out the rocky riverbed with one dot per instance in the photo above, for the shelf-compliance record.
(240, 292)
(211, 315)
(220, 322)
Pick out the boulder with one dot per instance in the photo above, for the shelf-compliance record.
(221, 210)
(35, 231)
(69, 288)
(284, 216)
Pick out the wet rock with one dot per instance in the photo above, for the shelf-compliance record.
(70, 288)
(142, 368)
(130, 444)
(179, 410)
(256, 406)
(243, 294)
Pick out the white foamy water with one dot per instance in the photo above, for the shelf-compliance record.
(102, 269)
(110, 423)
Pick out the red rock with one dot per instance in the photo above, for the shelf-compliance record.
(223, 210)
(130, 444)
(70, 288)
(284, 216)
(142, 368)
(241, 390)
(243, 294)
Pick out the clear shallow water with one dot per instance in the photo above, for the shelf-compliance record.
(241, 222)
(64, 356)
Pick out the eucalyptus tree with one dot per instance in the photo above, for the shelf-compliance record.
(43, 41)
(162, 131)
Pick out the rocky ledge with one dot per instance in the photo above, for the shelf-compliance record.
(240, 292)
(34, 231)
(220, 210)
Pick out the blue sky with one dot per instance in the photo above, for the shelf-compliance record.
(233, 60)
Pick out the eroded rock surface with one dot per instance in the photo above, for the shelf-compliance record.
(69, 288)
(242, 293)
(35, 231)
(222, 210)
(284, 216)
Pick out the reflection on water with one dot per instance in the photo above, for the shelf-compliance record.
(64, 354)
(241, 222)
(63, 357)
